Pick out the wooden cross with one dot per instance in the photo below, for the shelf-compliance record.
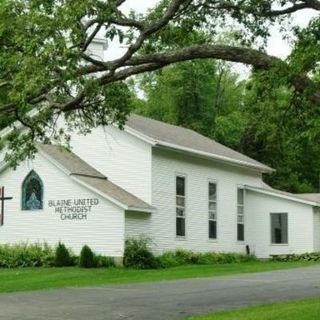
(2, 199)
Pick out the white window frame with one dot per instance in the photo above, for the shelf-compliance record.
(211, 181)
(242, 214)
(179, 175)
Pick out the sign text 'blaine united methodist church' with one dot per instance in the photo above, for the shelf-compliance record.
(73, 209)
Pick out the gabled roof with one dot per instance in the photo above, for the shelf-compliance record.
(69, 161)
(86, 175)
(179, 138)
(302, 198)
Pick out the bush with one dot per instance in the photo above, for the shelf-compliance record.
(169, 259)
(87, 258)
(313, 256)
(42, 255)
(188, 257)
(104, 262)
(62, 256)
(210, 258)
(183, 257)
(26, 255)
(137, 254)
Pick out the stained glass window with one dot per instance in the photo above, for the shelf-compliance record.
(32, 192)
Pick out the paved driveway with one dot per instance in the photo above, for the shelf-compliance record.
(161, 300)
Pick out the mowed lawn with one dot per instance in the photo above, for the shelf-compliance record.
(46, 278)
(296, 310)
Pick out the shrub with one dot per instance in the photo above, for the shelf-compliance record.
(209, 258)
(169, 259)
(188, 257)
(312, 256)
(62, 256)
(104, 262)
(26, 255)
(137, 254)
(87, 258)
(247, 258)
(183, 257)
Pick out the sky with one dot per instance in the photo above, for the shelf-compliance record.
(276, 45)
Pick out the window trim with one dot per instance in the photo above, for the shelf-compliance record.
(214, 181)
(239, 186)
(181, 175)
(270, 229)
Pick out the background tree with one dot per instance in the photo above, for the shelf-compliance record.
(201, 95)
(249, 116)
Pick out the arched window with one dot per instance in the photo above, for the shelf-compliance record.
(32, 192)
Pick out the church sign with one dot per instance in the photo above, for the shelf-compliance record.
(73, 209)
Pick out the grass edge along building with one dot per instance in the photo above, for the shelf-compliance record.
(169, 183)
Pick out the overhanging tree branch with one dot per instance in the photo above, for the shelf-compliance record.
(66, 64)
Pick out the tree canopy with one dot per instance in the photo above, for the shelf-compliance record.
(46, 70)
(247, 116)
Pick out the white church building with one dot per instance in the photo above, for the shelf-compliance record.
(169, 183)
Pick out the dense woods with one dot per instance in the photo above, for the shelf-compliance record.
(249, 116)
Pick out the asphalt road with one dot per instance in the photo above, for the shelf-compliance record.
(161, 300)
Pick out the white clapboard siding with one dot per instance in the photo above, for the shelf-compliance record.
(121, 157)
(103, 230)
(300, 225)
(165, 165)
(137, 224)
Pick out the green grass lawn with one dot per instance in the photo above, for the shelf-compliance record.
(45, 278)
(296, 310)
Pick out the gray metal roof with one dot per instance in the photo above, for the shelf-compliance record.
(181, 137)
(86, 174)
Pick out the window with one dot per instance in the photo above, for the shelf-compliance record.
(212, 208)
(240, 214)
(32, 192)
(279, 228)
(180, 206)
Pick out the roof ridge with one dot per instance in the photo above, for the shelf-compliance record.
(189, 140)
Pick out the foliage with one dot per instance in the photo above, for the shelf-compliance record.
(190, 94)
(184, 257)
(26, 255)
(62, 257)
(257, 117)
(313, 256)
(137, 254)
(87, 258)
(169, 260)
(101, 261)
(278, 134)
(42, 255)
